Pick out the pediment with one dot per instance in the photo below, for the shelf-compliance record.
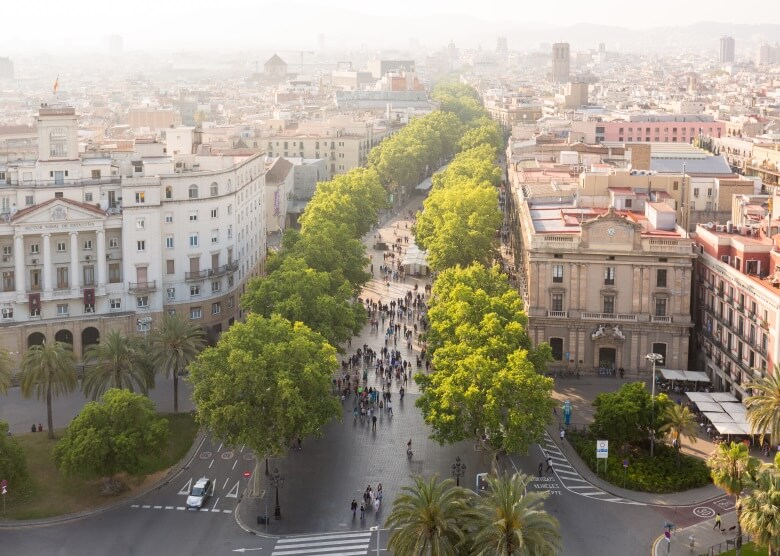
(57, 211)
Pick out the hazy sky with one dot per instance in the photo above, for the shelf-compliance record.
(191, 23)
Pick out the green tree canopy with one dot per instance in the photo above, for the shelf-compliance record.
(760, 513)
(48, 371)
(116, 362)
(477, 165)
(624, 417)
(320, 300)
(265, 383)
(764, 406)
(111, 436)
(486, 133)
(679, 422)
(5, 371)
(13, 463)
(459, 225)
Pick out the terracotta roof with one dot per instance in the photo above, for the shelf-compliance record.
(85, 206)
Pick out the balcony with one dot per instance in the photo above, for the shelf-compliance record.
(609, 316)
(557, 314)
(660, 319)
(211, 272)
(136, 287)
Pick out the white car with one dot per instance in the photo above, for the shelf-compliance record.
(200, 492)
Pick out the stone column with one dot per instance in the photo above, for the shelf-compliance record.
(47, 268)
(101, 258)
(74, 261)
(19, 267)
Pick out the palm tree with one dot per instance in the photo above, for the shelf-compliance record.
(732, 469)
(764, 406)
(680, 421)
(174, 346)
(5, 371)
(115, 362)
(429, 518)
(511, 522)
(48, 370)
(761, 510)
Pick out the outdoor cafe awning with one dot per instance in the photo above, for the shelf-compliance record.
(723, 397)
(713, 407)
(732, 428)
(697, 397)
(692, 376)
(714, 417)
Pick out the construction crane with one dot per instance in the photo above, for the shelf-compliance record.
(302, 53)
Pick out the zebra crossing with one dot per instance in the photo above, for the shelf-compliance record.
(337, 544)
(571, 480)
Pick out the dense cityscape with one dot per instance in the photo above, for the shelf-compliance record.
(500, 289)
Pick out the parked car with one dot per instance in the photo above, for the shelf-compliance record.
(200, 492)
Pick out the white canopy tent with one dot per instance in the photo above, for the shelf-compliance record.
(723, 397)
(697, 397)
(731, 428)
(713, 407)
(415, 261)
(718, 417)
(692, 376)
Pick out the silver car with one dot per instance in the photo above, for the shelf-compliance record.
(200, 492)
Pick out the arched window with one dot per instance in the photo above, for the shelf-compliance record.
(229, 186)
(58, 140)
(193, 191)
(556, 344)
(214, 189)
(168, 192)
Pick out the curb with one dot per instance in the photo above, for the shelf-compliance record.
(68, 518)
(247, 528)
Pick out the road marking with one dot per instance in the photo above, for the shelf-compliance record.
(226, 482)
(219, 449)
(146, 506)
(180, 508)
(213, 510)
(227, 455)
(343, 544)
(210, 464)
(185, 490)
(215, 504)
(234, 464)
(242, 448)
(135, 506)
(168, 507)
(703, 511)
(158, 507)
(233, 491)
(227, 511)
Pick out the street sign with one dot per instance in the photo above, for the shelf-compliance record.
(5, 491)
(3, 483)
(625, 463)
(247, 474)
(602, 449)
(567, 412)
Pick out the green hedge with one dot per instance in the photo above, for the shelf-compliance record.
(658, 474)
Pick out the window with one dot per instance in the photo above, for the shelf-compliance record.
(628, 203)
(230, 302)
(168, 192)
(196, 313)
(193, 191)
(7, 313)
(114, 273)
(194, 291)
(230, 209)
(695, 191)
(141, 245)
(171, 294)
(230, 281)
(214, 213)
(556, 344)
(216, 286)
(34, 249)
(60, 247)
(142, 302)
(558, 273)
(609, 304)
(87, 245)
(214, 236)
(57, 142)
(169, 242)
(140, 223)
(140, 196)
(88, 196)
(170, 266)
(660, 306)
(557, 302)
(62, 309)
(169, 218)
(115, 304)
(28, 200)
(230, 232)
(7, 250)
(194, 240)
(675, 185)
(62, 277)
(660, 349)
(660, 278)
(214, 189)
(609, 276)
(113, 242)
(216, 308)
(193, 216)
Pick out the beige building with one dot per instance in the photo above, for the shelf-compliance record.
(604, 286)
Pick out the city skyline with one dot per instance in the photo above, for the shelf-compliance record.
(340, 24)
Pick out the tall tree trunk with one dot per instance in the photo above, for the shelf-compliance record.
(49, 418)
(175, 391)
(738, 543)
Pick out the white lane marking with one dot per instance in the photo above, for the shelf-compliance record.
(210, 464)
(219, 449)
(227, 511)
(185, 490)
(158, 507)
(233, 491)
(180, 508)
(324, 537)
(135, 506)
(234, 464)
(146, 506)
(226, 482)
(215, 504)
(168, 507)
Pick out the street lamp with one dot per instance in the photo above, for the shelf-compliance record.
(655, 358)
(276, 481)
(376, 528)
(458, 470)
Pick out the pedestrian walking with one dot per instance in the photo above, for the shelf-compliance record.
(389, 408)
(373, 422)
(549, 464)
(362, 512)
(541, 466)
(563, 434)
(353, 507)
(377, 503)
(717, 524)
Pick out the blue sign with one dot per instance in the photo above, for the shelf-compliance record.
(567, 412)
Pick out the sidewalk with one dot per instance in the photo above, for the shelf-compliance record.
(704, 537)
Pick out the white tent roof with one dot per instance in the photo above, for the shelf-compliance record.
(697, 376)
(718, 417)
(694, 376)
(697, 397)
(414, 255)
(723, 397)
(731, 428)
(670, 374)
(709, 406)
(735, 409)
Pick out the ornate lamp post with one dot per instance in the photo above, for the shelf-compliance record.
(655, 358)
(276, 481)
(458, 470)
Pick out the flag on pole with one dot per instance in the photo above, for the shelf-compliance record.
(56, 84)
